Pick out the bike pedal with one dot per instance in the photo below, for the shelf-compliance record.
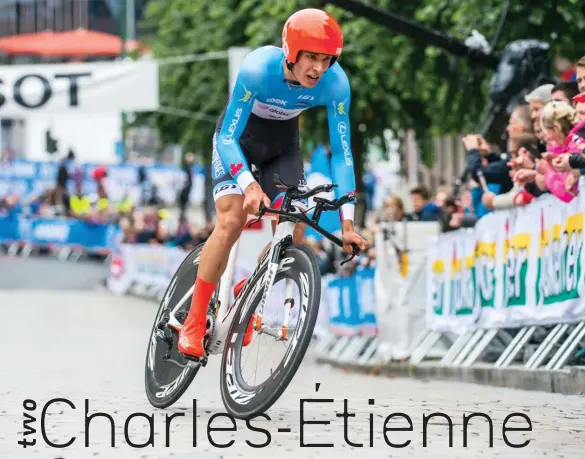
(201, 361)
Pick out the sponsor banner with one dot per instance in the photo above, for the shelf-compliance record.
(85, 88)
(351, 303)
(452, 283)
(275, 110)
(515, 268)
(61, 232)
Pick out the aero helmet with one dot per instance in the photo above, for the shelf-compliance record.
(311, 30)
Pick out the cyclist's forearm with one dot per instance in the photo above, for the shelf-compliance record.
(343, 176)
(347, 226)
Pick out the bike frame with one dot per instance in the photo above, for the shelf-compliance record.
(284, 231)
(288, 216)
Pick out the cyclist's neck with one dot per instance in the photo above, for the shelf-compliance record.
(289, 76)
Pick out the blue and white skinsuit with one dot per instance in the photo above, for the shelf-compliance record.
(260, 126)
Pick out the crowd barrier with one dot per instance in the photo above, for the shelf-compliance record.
(517, 274)
(70, 238)
(506, 294)
(386, 315)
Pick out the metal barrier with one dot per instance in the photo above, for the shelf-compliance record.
(506, 296)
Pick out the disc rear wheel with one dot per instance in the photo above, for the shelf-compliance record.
(167, 373)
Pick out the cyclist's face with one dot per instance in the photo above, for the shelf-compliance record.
(310, 67)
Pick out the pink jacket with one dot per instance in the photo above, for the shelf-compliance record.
(555, 181)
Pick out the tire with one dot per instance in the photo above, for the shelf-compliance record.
(163, 394)
(240, 400)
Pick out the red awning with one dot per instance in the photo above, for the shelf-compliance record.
(80, 42)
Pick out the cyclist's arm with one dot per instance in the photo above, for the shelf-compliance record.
(248, 84)
(342, 170)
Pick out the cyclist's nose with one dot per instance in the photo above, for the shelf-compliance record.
(319, 67)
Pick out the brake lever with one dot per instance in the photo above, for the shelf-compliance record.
(356, 251)
(260, 214)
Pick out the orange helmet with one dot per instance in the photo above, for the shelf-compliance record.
(311, 30)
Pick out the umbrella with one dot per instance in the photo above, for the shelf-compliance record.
(69, 43)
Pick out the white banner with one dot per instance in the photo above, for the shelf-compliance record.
(515, 268)
(150, 268)
(99, 87)
(400, 286)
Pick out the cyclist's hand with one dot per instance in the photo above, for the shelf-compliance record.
(253, 197)
(350, 237)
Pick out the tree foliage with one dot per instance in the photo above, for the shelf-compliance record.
(397, 81)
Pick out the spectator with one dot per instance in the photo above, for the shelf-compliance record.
(79, 204)
(563, 132)
(61, 194)
(443, 193)
(424, 209)
(580, 73)
(489, 166)
(565, 91)
(538, 98)
(520, 131)
(392, 211)
(188, 186)
(142, 184)
(580, 109)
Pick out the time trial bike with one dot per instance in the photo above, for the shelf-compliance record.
(168, 373)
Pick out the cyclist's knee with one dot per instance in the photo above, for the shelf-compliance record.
(231, 217)
(299, 233)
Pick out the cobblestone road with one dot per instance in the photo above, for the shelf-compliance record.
(90, 345)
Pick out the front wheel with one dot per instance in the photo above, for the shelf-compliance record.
(299, 267)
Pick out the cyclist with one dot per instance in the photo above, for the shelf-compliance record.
(260, 126)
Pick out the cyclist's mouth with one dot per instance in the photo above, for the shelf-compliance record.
(313, 78)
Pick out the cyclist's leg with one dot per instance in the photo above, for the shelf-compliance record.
(230, 221)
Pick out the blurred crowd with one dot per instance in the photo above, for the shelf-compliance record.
(142, 220)
(545, 154)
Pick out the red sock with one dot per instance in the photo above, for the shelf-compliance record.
(199, 302)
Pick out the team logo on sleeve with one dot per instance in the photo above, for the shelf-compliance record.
(247, 95)
(235, 168)
(342, 129)
(341, 107)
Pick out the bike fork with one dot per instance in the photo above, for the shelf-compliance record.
(289, 303)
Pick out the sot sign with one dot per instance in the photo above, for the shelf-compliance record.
(34, 90)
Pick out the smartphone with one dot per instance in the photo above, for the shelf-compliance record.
(534, 149)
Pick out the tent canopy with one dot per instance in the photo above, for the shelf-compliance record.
(80, 42)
